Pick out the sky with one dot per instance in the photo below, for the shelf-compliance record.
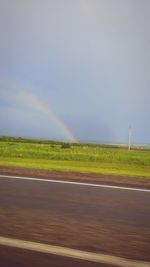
(75, 70)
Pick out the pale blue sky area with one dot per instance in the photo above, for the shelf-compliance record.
(75, 68)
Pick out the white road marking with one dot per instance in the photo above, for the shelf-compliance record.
(75, 183)
(72, 253)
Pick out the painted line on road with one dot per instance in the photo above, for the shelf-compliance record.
(72, 253)
(74, 183)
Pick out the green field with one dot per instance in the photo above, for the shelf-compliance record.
(74, 157)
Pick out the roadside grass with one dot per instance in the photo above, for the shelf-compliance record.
(77, 166)
(75, 157)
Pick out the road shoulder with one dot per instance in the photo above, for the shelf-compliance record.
(78, 177)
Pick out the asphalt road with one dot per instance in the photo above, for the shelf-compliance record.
(101, 220)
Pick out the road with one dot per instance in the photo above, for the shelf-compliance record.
(104, 220)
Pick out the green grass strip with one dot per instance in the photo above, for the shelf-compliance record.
(78, 166)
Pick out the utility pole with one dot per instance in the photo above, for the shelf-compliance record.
(129, 137)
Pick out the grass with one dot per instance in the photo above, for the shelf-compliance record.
(77, 158)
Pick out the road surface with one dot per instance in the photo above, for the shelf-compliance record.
(99, 220)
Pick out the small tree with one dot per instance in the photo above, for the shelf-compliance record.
(65, 145)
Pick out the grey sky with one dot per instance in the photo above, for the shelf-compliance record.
(87, 60)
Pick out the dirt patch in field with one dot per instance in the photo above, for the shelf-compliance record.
(79, 177)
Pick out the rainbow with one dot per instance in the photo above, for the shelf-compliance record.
(36, 102)
(25, 97)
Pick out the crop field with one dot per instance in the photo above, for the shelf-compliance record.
(74, 157)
